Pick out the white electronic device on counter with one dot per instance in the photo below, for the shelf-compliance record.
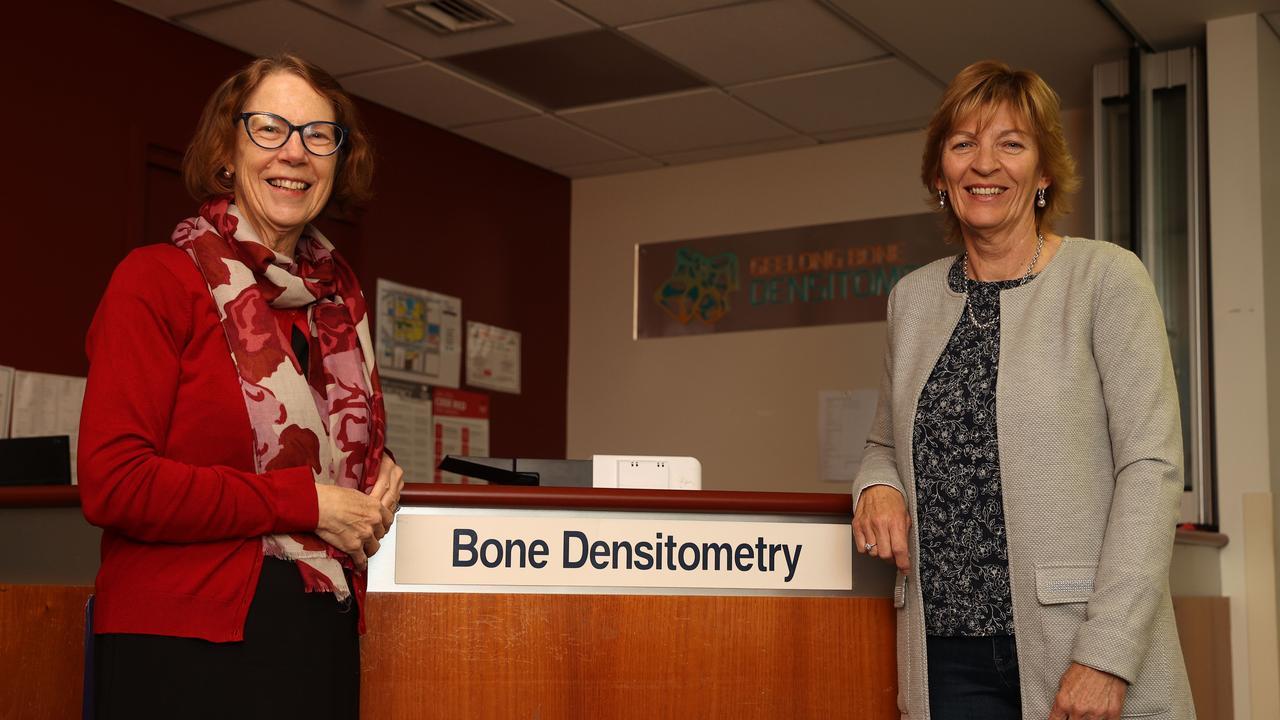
(646, 472)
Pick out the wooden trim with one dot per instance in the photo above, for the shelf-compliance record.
(710, 501)
(1200, 537)
(499, 496)
(705, 501)
(32, 496)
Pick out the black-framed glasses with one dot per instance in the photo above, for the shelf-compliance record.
(270, 131)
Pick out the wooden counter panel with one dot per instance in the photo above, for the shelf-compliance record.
(41, 651)
(542, 656)
(617, 656)
(570, 656)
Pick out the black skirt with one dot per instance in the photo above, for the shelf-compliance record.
(300, 658)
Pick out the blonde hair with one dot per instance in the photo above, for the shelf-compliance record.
(982, 88)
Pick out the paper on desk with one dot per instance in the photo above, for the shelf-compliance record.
(45, 404)
(844, 420)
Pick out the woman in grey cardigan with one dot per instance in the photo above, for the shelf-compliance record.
(1024, 467)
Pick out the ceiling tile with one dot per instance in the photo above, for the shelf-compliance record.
(624, 12)
(530, 20)
(889, 128)
(757, 41)
(729, 151)
(436, 95)
(610, 167)
(678, 123)
(544, 141)
(576, 70)
(267, 27)
(1059, 40)
(874, 93)
(169, 9)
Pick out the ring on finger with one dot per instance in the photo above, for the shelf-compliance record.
(869, 547)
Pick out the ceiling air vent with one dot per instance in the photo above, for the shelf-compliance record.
(448, 17)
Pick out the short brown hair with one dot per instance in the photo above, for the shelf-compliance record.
(214, 142)
(983, 87)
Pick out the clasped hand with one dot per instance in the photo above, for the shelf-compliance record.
(353, 521)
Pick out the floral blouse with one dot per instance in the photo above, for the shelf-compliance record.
(964, 558)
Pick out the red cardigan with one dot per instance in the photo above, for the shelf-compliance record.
(166, 460)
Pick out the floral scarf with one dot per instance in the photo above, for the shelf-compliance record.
(330, 419)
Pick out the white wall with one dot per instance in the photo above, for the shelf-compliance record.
(1243, 78)
(745, 403)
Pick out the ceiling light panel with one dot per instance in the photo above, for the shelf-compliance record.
(528, 20)
(625, 12)
(436, 95)
(691, 121)
(268, 27)
(757, 41)
(576, 70)
(1012, 30)
(869, 94)
(544, 141)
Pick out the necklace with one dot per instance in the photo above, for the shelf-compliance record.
(964, 269)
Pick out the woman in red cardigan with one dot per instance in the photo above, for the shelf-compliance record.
(231, 442)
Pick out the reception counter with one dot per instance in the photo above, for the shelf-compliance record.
(556, 652)
(545, 652)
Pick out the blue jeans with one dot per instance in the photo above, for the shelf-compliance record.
(974, 678)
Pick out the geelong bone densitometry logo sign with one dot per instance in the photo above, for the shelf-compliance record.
(564, 551)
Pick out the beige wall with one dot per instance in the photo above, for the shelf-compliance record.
(744, 403)
(1243, 73)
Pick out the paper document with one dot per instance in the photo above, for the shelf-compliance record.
(844, 419)
(409, 428)
(461, 428)
(493, 358)
(419, 335)
(6, 399)
(45, 404)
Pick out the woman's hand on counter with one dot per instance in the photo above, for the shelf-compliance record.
(880, 525)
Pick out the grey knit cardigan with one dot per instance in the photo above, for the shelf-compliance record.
(1091, 464)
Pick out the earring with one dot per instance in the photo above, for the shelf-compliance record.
(226, 173)
(1040, 198)
(942, 199)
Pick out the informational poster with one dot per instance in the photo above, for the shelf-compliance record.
(409, 429)
(844, 420)
(493, 358)
(790, 277)
(461, 421)
(419, 335)
(6, 399)
(46, 404)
